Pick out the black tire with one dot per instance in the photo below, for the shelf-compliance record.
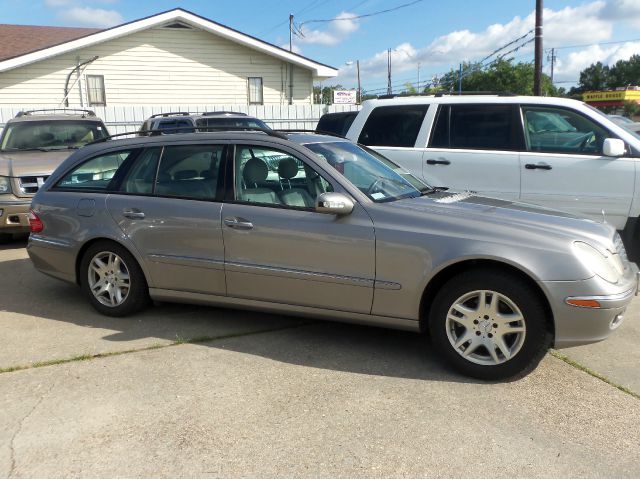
(530, 346)
(137, 297)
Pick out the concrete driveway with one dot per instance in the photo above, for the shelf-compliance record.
(204, 392)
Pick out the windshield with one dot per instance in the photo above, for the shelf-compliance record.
(50, 135)
(625, 127)
(377, 177)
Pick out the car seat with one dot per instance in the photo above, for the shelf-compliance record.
(254, 173)
(288, 169)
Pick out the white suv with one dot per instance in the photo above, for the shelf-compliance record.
(555, 152)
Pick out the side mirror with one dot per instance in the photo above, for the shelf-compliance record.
(334, 204)
(613, 147)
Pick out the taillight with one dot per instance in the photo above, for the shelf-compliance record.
(35, 224)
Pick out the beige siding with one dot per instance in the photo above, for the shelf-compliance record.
(160, 66)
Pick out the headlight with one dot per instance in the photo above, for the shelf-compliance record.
(5, 185)
(609, 267)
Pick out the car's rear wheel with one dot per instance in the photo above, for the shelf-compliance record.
(489, 325)
(113, 280)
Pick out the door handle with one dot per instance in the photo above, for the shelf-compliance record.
(133, 214)
(539, 166)
(238, 223)
(439, 161)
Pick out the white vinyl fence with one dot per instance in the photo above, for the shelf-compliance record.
(124, 118)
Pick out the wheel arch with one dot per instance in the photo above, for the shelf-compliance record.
(87, 244)
(441, 277)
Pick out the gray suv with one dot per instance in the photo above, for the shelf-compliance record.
(184, 122)
(32, 145)
(336, 232)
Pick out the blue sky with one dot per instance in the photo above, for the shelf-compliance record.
(437, 35)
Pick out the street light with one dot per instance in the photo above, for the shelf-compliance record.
(359, 91)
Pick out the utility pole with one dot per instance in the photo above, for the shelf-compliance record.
(389, 89)
(290, 64)
(537, 74)
(419, 78)
(460, 80)
(552, 58)
(359, 94)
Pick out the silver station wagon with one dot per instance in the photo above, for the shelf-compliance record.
(314, 225)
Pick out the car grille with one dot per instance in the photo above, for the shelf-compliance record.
(31, 184)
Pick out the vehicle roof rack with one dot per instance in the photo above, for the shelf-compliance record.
(171, 113)
(462, 93)
(214, 113)
(317, 132)
(63, 111)
(189, 129)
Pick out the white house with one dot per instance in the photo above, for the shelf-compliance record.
(171, 58)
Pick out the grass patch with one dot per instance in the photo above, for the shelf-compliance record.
(177, 342)
(593, 373)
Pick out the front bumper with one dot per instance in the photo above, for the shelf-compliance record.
(574, 325)
(14, 215)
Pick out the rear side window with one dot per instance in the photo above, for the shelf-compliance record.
(338, 123)
(95, 174)
(175, 126)
(190, 171)
(477, 127)
(393, 126)
(142, 174)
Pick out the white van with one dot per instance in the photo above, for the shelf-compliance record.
(556, 152)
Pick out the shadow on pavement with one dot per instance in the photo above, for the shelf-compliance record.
(316, 344)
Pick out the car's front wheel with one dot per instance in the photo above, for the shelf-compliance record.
(489, 324)
(112, 279)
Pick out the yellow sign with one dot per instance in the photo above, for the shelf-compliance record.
(616, 95)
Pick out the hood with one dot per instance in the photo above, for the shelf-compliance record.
(521, 219)
(26, 163)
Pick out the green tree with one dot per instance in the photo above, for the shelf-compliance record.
(593, 78)
(325, 96)
(625, 73)
(502, 75)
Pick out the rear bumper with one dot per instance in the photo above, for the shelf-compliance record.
(574, 325)
(14, 216)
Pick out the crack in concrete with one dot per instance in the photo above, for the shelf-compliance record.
(12, 450)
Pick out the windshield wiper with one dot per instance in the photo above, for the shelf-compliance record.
(432, 189)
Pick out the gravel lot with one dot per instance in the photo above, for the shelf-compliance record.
(264, 396)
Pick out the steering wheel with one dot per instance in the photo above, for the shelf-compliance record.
(373, 186)
(584, 143)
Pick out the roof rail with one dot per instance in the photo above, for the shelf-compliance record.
(214, 113)
(64, 111)
(171, 113)
(190, 129)
(463, 93)
(317, 132)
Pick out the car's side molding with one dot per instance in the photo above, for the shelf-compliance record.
(288, 309)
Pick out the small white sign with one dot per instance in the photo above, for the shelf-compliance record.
(345, 97)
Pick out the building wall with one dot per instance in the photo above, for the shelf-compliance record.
(160, 66)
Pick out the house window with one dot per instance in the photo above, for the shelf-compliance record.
(255, 90)
(95, 90)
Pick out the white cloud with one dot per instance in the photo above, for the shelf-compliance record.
(94, 17)
(585, 24)
(336, 32)
(569, 68)
(83, 13)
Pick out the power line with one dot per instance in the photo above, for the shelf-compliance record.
(594, 44)
(310, 6)
(366, 15)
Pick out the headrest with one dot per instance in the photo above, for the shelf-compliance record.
(255, 171)
(288, 168)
